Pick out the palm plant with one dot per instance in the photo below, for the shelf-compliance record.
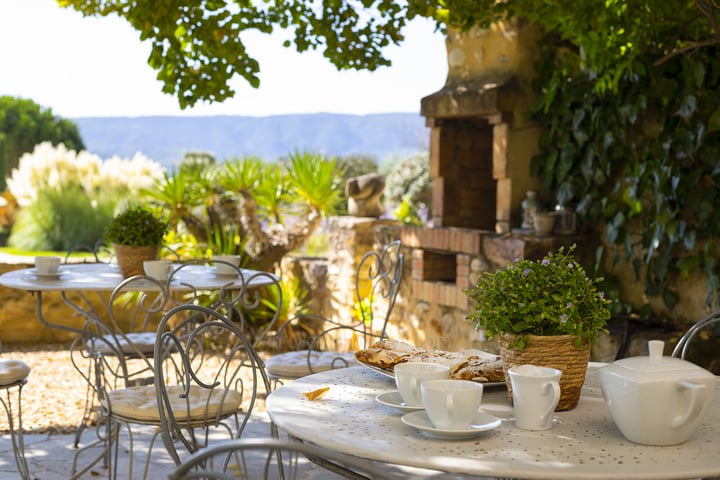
(265, 210)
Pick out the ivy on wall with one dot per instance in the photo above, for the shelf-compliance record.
(643, 161)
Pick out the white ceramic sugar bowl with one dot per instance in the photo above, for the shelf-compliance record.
(657, 400)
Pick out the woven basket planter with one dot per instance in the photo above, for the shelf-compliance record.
(557, 351)
(130, 259)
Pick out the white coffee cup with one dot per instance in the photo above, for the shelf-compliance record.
(536, 393)
(47, 265)
(158, 269)
(409, 376)
(451, 404)
(222, 267)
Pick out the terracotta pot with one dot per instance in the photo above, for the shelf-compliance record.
(544, 223)
(130, 259)
(557, 351)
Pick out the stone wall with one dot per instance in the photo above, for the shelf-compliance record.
(431, 307)
(19, 322)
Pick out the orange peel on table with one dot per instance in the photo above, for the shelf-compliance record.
(316, 394)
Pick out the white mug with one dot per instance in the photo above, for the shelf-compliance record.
(224, 269)
(47, 265)
(451, 404)
(409, 376)
(536, 393)
(158, 269)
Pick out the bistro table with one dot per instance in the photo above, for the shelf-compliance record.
(83, 278)
(75, 282)
(584, 443)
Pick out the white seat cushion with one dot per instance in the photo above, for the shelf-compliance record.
(12, 370)
(141, 402)
(295, 364)
(143, 342)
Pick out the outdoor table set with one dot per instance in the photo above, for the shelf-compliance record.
(360, 414)
(119, 325)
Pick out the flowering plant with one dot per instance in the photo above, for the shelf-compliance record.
(552, 296)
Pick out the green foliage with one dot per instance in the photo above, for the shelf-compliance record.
(136, 226)
(247, 206)
(197, 49)
(643, 162)
(408, 188)
(552, 296)
(59, 220)
(24, 124)
(316, 180)
(71, 196)
(356, 165)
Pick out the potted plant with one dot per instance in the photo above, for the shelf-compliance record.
(136, 235)
(544, 312)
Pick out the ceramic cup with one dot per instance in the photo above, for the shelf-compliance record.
(451, 404)
(409, 376)
(222, 267)
(158, 269)
(536, 393)
(47, 265)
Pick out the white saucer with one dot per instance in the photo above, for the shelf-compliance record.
(481, 423)
(35, 273)
(393, 399)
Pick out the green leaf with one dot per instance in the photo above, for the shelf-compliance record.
(714, 122)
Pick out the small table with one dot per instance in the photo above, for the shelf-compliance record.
(584, 443)
(99, 278)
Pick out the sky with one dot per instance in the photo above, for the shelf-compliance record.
(97, 67)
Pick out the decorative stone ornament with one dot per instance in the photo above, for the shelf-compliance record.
(364, 193)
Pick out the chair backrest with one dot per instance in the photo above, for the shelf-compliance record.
(208, 374)
(115, 347)
(271, 458)
(377, 283)
(683, 347)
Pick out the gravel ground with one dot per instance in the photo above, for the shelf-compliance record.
(53, 400)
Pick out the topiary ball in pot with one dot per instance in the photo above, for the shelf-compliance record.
(136, 235)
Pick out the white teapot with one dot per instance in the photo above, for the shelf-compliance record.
(657, 400)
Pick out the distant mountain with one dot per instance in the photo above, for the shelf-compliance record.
(166, 139)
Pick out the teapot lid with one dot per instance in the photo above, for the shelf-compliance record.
(655, 362)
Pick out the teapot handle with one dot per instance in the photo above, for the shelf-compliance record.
(697, 401)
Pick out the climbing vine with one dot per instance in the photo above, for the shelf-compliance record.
(643, 161)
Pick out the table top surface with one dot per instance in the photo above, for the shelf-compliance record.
(583, 443)
(105, 277)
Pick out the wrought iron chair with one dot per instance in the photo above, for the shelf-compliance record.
(377, 283)
(115, 350)
(13, 377)
(207, 377)
(270, 458)
(682, 348)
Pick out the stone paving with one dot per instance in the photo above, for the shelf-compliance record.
(50, 456)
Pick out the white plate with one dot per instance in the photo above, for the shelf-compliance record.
(394, 399)
(45, 275)
(481, 423)
(390, 374)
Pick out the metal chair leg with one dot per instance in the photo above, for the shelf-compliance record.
(16, 434)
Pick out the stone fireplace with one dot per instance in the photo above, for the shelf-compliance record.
(480, 151)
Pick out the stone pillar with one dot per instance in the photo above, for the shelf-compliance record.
(349, 238)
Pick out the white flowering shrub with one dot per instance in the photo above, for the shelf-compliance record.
(57, 168)
(66, 197)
